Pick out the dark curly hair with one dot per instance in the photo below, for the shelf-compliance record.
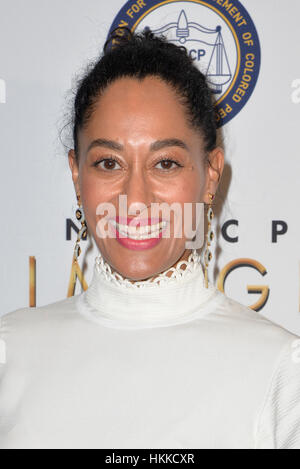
(138, 55)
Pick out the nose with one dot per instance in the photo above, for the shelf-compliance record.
(137, 188)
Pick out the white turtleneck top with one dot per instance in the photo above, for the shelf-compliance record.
(164, 364)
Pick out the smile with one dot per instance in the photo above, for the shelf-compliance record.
(141, 233)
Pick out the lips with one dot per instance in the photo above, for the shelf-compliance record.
(137, 233)
(136, 230)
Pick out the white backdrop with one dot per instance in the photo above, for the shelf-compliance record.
(43, 44)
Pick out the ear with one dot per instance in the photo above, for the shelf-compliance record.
(214, 172)
(74, 169)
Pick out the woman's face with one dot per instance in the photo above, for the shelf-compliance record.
(136, 127)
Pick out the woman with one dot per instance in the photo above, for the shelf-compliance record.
(151, 355)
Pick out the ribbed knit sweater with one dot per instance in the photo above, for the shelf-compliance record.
(169, 364)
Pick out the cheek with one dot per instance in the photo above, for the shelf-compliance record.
(189, 188)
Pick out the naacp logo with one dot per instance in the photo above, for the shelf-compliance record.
(219, 35)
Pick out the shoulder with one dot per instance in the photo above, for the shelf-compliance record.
(32, 335)
(278, 425)
(250, 327)
(30, 318)
(268, 356)
(238, 312)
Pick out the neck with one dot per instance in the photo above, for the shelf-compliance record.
(168, 272)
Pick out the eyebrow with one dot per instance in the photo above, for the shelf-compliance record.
(155, 146)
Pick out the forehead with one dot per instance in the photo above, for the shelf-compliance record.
(139, 104)
(131, 89)
(137, 112)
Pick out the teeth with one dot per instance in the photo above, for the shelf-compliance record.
(143, 232)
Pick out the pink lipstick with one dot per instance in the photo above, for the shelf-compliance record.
(121, 225)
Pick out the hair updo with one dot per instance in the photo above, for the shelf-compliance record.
(138, 55)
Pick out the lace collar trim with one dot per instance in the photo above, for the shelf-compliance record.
(177, 273)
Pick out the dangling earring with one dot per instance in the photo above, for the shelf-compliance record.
(209, 238)
(82, 233)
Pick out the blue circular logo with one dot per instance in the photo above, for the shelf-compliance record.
(219, 35)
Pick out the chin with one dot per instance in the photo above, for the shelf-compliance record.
(135, 273)
(134, 270)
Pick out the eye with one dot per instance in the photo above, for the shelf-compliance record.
(167, 164)
(108, 164)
